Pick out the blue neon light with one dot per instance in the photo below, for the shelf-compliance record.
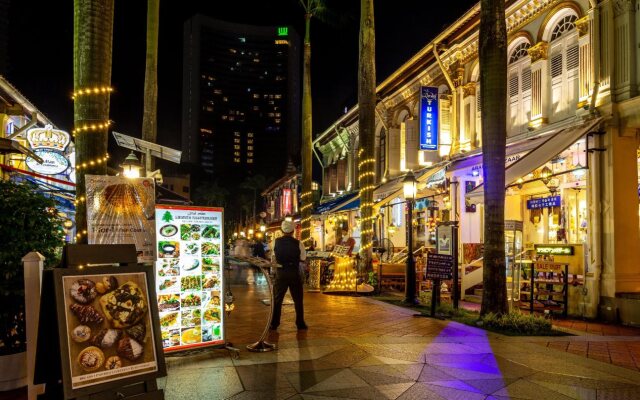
(428, 118)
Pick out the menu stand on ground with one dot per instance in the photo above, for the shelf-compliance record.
(50, 368)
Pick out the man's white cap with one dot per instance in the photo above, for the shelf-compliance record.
(287, 226)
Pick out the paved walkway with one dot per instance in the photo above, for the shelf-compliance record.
(357, 348)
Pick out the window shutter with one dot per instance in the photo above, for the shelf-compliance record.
(526, 79)
(513, 86)
(556, 65)
(573, 57)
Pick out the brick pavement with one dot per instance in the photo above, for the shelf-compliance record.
(595, 340)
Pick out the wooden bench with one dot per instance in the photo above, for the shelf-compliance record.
(393, 275)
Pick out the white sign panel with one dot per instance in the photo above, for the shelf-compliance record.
(189, 275)
(53, 162)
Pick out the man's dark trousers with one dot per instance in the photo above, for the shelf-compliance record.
(288, 278)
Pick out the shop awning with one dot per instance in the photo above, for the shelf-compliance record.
(331, 205)
(422, 176)
(539, 156)
(349, 205)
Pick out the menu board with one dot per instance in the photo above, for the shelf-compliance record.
(439, 266)
(107, 331)
(189, 275)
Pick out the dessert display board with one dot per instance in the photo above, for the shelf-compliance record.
(108, 327)
(189, 275)
(120, 210)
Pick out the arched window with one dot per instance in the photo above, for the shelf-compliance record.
(565, 25)
(519, 52)
(519, 86)
(564, 60)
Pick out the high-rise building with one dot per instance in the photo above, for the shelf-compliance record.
(241, 98)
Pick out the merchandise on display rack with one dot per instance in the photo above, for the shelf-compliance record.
(189, 275)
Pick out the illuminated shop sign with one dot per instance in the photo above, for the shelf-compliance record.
(555, 250)
(428, 118)
(283, 31)
(286, 202)
(49, 144)
(543, 202)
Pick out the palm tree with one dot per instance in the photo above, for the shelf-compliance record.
(493, 86)
(366, 124)
(211, 194)
(149, 116)
(92, 43)
(311, 8)
(255, 183)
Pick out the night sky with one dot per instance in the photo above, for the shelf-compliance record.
(41, 54)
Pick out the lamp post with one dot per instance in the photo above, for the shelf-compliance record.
(409, 188)
(131, 166)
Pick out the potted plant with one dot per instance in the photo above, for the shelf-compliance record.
(29, 222)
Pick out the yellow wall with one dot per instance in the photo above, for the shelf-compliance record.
(621, 237)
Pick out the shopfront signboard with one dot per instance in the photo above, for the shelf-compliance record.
(49, 144)
(189, 275)
(439, 266)
(544, 202)
(429, 118)
(556, 250)
(120, 210)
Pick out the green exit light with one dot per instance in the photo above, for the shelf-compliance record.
(283, 31)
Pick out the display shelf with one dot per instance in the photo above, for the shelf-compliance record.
(543, 283)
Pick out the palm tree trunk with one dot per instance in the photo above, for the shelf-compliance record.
(92, 42)
(366, 123)
(149, 116)
(306, 197)
(493, 86)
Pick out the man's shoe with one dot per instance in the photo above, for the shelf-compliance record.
(303, 327)
(273, 328)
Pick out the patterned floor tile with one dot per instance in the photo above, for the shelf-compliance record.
(529, 390)
(395, 390)
(345, 379)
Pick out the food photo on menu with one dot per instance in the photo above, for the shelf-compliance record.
(109, 327)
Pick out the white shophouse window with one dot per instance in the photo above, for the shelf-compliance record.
(519, 86)
(564, 60)
(397, 212)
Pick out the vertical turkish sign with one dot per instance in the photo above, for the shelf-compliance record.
(428, 118)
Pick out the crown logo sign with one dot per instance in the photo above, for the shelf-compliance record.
(48, 138)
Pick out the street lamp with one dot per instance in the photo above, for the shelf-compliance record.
(250, 232)
(409, 188)
(131, 166)
(263, 228)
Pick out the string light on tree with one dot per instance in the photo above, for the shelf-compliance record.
(91, 127)
(90, 163)
(91, 91)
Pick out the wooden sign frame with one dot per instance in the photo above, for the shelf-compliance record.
(116, 386)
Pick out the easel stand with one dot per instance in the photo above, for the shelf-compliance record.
(50, 366)
(147, 390)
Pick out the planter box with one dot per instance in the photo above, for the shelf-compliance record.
(13, 371)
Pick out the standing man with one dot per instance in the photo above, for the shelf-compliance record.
(288, 253)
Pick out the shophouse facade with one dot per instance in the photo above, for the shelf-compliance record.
(572, 145)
